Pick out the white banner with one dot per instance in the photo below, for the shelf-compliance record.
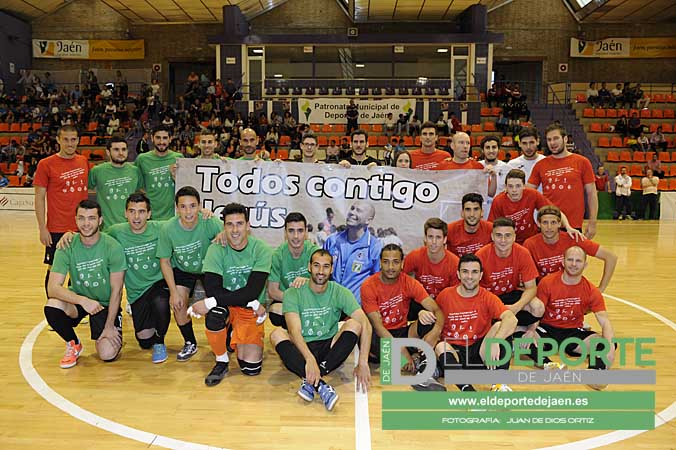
(606, 48)
(332, 110)
(403, 199)
(17, 199)
(61, 48)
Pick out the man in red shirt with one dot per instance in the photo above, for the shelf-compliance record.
(469, 311)
(386, 297)
(567, 296)
(61, 180)
(428, 157)
(548, 247)
(520, 203)
(509, 273)
(470, 233)
(567, 179)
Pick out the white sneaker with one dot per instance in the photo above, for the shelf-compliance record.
(128, 309)
(553, 366)
(501, 388)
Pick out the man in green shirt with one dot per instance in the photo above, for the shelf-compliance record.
(289, 261)
(158, 169)
(208, 145)
(95, 263)
(182, 246)
(248, 144)
(314, 346)
(114, 181)
(234, 279)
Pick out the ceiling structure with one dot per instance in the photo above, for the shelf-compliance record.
(361, 11)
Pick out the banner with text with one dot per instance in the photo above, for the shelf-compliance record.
(403, 199)
(17, 199)
(89, 49)
(624, 48)
(332, 110)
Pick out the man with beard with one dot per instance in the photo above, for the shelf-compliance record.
(314, 346)
(428, 157)
(308, 148)
(359, 157)
(208, 146)
(158, 170)
(567, 179)
(114, 181)
(95, 263)
(529, 142)
(470, 233)
(248, 143)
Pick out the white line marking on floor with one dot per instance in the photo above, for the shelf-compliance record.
(362, 425)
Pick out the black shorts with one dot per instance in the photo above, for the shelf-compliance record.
(142, 308)
(97, 322)
(50, 250)
(320, 349)
(187, 279)
(522, 316)
(469, 356)
(375, 341)
(561, 334)
(413, 311)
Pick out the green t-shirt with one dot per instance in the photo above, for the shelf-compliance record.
(143, 266)
(157, 182)
(236, 266)
(113, 185)
(285, 268)
(90, 267)
(187, 248)
(319, 313)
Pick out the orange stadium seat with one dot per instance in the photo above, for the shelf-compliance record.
(490, 126)
(377, 128)
(663, 184)
(595, 127)
(322, 140)
(588, 112)
(284, 140)
(635, 184)
(501, 155)
(85, 140)
(616, 142)
(443, 141)
(4, 140)
(382, 140)
(613, 156)
(639, 157)
(15, 128)
(25, 127)
(373, 140)
(604, 142)
(606, 127)
(86, 153)
(476, 154)
(625, 155)
(495, 111)
(339, 128)
(4, 127)
(408, 141)
(600, 112)
(327, 128)
(649, 156)
(476, 128)
(636, 170)
(92, 126)
(672, 171)
(658, 98)
(667, 128)
(645, 114)
(507, 141)
(672, 184)
(365, 126)
(669, 114)
(653, 127)
(581, 98)
(611, 112)
(670, 98)
(315, 127)
(14, 180)
(622, 113)
(664, 156)
(283, 154)
(37, 126)
(417, 141)
(485, 112)
(656, 114)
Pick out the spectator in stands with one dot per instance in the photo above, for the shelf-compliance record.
(332, 153)
(627, 94)
(389, 126)
(442, 126)
(516, 93)
(402, 160)
(352, 116)
(592, 95)
(414, 126)
(289, 124)
(113, 125)
(623, 194)
(502, 123)
(605, 98)
(402, 125)
(4, 181)
(649, 184)
(616, 95)
(93, 84)
(230, 89)
(634, 125)
(640, 98)
(454, 125)
(121, 82)
(602, 184)
(388, 153)
(657, 140)
(491, 95)
(398, 145)
(271, 139)
(621, 126)
(656, 166)
(642, 143)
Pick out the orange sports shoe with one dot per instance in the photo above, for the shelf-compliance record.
(73, 350)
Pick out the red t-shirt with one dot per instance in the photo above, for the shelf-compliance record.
(428, 161)
(549, 257)
(467, 320)
(520, 212)
(434, 277)
(601, 182)
(504, 275)
(66, 183)
(565, 305)
(563, 181)
(460, 242)
(392, 301)
(467, 165)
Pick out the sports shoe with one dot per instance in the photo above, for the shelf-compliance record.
(306, 391)
(597, 387)
(501, 388)
(328, 395)
(217, 374)
(187, 352)
(69, 359)
(430, 385)
(552, 365)
(159, 353)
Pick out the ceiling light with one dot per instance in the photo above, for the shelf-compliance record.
(257, 50)
(278, 75)
(442, 50)
(359, 65)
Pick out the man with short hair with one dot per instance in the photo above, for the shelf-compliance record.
(461, 146)
(360, 144)
(548, 247)
(234, 279)
(114, 181)
(352, 116)
(469, 312)
(567, 179)
(158, 169)
(332, 153)
(601, 180)
(314, 346)
(520, 204)
(470, 233)
(386, 299)
(182, 246)
(95, 263)
(428, 157)
(208, 144)
(529, 142)
(623, 194)
(568, 296)
(308, 148)
(490, 147)
(289, 261)
(355, 251)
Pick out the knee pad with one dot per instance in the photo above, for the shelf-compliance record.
(422, 330)
(277, 320)
(250, 368)
(217, 318)
(525, 318)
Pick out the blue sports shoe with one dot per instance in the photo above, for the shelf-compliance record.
(328, 395)
(306, 391)
(159, 353)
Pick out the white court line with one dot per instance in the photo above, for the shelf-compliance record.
(661, 417)
(46, 392)
(362, 425)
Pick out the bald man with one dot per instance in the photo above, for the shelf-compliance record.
(248, 145)
(355, 251)
(461, 146)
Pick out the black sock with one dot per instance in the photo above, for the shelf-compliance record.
(61, 323)
(339, 352)
(188, 333)
(291, 357)
(448, 361)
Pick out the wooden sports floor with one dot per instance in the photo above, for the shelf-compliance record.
(133, 404)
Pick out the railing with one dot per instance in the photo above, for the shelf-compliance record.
(569, 90)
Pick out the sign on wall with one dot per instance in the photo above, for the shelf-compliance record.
(17, 199)
(332, 110)
(624, 48)
(89, 49)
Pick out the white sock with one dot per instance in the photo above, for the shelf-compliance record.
(223, 358)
